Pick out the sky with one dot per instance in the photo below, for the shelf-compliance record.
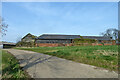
(70, 18)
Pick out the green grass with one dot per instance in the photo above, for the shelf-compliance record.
(101, 56)
(11, 67)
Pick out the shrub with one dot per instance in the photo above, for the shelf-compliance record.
(81, 41)
(25, 44)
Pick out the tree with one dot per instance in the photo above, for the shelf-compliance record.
(18, 39)
(3, 27)
(112, 33)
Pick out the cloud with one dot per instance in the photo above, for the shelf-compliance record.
(41, 9)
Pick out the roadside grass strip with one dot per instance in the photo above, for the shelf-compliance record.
(11, 67)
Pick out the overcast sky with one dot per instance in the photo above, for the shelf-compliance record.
(74, 18)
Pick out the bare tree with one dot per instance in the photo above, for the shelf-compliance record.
(18, 39)
(111, 32)
(3, 27)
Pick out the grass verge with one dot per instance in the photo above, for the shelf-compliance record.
(101, 56)
(11, 68)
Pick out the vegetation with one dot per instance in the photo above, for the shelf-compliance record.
(25, 44)
(82, 41)
(112, 33)
(11, 67)
(3, 26)
(101, 56)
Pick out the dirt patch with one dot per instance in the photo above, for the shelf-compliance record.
(104, 52)
(52, 51)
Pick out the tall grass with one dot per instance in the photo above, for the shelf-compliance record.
(101, 56)
(11, 68)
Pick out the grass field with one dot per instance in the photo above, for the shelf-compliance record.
(101, 56)
(11, 67)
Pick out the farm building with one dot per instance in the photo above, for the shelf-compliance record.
(27, 41)
(68, 40)
(28, 38)
(7, 44)
(101, 40)
(55, 40)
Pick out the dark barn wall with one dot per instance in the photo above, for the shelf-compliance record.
(53, 41)
(28, 39)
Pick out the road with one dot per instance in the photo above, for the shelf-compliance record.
(39, 65)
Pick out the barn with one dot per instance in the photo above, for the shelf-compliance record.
(53, 40)
(28, 38)
(7, 45)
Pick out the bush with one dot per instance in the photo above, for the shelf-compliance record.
(81, 41)
(25, 44)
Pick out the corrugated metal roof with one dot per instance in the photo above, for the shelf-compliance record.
(1, 43)
(56, 36)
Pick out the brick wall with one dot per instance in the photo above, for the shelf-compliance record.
(52, 44)
(47, 45)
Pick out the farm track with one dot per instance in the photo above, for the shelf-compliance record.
(39, 65)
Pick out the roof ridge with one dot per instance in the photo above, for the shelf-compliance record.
(61, 34)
